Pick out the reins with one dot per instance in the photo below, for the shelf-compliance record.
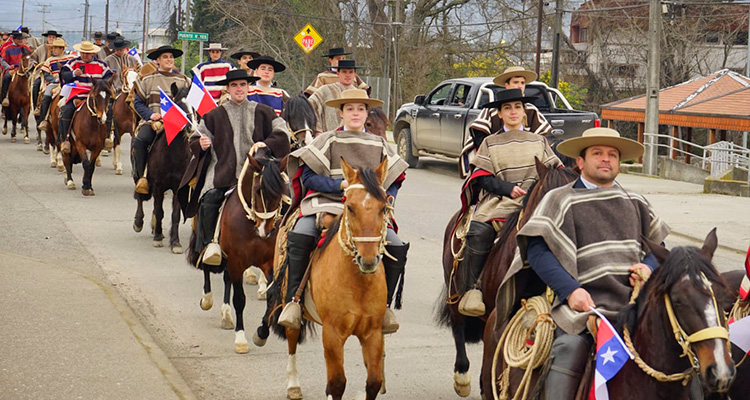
(348, 243)
(250, 212)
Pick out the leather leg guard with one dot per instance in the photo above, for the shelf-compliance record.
(479, 240)
(299, 247)
(63, 131)
(46, 101)
(569, 356)
(394, 281)
(208, 216)
(140, 156)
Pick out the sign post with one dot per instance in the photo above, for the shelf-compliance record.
(194, 36)
(308, 39)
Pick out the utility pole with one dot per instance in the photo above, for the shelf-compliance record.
(145, 25)
(85, 21)
(44, 15)
(106, 18)
(555, 70)
(396, 25)
(539, 17)
(652, 88)
(23, 10)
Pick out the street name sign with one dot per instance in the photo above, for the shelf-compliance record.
(201, 37)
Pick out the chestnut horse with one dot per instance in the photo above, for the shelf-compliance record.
(349, 301)
(51, 136)
(690, 284)
(124, 117)
(88, 129)
(377, 122)
(19, 97)
(470, 329)
(166, 164)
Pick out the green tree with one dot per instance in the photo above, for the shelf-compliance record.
(575, 94)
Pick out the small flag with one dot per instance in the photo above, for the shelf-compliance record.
(611, 356)
(72, 90)
(199, 98)
(172, 116)
(739, 333)
(133, 52)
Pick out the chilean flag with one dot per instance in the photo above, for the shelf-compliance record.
(611, 356)
(745, 285)
(72, 90)
(199, 98)
(133, 52)
(172, 116)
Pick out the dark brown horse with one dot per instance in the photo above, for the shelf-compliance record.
(124, 117)
(166, 164)
(377, 122)
(88, 129)
(19, 97)
(51, 135)
(470, 329)
(689, 281)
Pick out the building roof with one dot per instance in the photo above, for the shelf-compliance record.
(720, 101)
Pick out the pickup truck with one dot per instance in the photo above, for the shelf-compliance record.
(436, 124)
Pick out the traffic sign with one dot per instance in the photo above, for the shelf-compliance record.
(201, 37)
(308, 39)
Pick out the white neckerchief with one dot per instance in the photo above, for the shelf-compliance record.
(591, 185)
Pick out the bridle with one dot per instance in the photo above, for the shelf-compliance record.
(250, 211)
(348, 241)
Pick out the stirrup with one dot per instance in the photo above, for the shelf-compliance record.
(291, 316)
(212, 254)
(390, 323)
(471, 304)
(141, 187)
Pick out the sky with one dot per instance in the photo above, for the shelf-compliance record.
(66, 16)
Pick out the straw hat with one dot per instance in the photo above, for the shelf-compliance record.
(59, 42)
(86, 47)
(629, 149)
(354, 96)
(215, 46)
(511, 72)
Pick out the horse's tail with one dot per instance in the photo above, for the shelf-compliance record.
(275, 303)
(448, 317)
(191, 254)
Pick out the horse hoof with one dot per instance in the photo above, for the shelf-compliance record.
(104, 153)
(258, 341)
(39, 147)
(60, 167)
(53, 164)
(137, 228)
(294, 393)
(118, 171)
(250, 277)
(241, 348)
(13, 140)
(98, 162)
(226, 318)
(177, 249)
(87, 192)
(45, 150)
(26, 140)
(158, 243)
(462, 384)
(207, 301)
(71, 185)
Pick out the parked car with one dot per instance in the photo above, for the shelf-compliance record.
(436, 124)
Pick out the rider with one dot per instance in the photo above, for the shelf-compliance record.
(263, 90)
(147, 104)
(51, 73)
(329, 75)
(504, 169)
(82, 70)
(488, 121)
(10, 58)
(225, 136)
(329, 118)
(32, 41)
(584, 242)
(322, 179)
(119, 60)
(214, 70)
(243, 56)
(39, 56)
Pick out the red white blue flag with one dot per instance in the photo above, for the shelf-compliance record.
(73, 89)
(611, 356)
(172, 116)
(134, 52)
(199, 98)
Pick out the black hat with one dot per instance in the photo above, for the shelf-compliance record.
(155, 53)
(119, 43)
(235, 75)
(25, 29)
(348, 64)
(242, 52)
(336, 51)
(52, 33)
(506, 96)
(98, 35)
(17, 35)
(256, 62)
(112, 36)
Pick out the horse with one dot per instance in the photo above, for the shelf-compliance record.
(166, 164)
(692, 342)
(124, 117)
(19, 97)
(470, 329)
(51, 136)
(377, 122)
(300, 118)
(88, 129)
(349, 301)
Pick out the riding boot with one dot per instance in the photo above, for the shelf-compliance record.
(140, 156)
(35, 96)
(63, 131)
(46, 100)
(108, 143)
(569, 356)
(208, 218)
(479, 240)
(299, 247)
(394, 273)
(4, 93)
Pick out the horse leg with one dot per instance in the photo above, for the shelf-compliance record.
(262, 286)
(117, 159)
(372, 353)
(261, 334)
(138, 218)
(333, 350)
(88, 172)
(207, 301)
(293, 388)
(68, 163)
(226, 309)
(461, 377)
(240, 341)
(174, 229)
(158, 217)
(251, 278)
(25, 125)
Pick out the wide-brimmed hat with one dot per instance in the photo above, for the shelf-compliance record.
(506, 96)
(119, 43)
(25, 29)
(98, 35)
(215, 46)
(336, 51)
(59, 42)
(354, 96)
(111, 36)
(153, 54)
(348, 64)
(17, 35)
(628, 148)
(86, 47)
(236, 75)
(52, 33)
(256, 62)
(511, 72)
(242, 52)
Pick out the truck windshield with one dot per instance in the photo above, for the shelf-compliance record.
(540, 100)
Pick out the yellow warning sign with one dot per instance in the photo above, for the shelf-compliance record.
(308, 39)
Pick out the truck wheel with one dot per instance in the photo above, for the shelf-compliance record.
(404, 148)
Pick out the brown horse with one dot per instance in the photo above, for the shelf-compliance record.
(51, 141)
(88, 129)
(349, 301)
(690, 283)
(377, 122)
(470, 329)
(124, 117)
(19, 97)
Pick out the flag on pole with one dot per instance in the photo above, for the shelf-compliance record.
(72, 90)
(199, 98)
(611, 356)
(739, 333)
(172, 116)
(134, 52)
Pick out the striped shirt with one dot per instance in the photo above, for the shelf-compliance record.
(96, 69)
(211, 72)
(54, 64)
(270, 96)
(13, 53)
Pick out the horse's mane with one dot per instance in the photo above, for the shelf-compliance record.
(297, 111)
(377, 112)
(272, 182)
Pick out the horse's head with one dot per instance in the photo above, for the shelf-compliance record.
(685, 283)
(549, 178)
(98, 99)
(366, 214)
(179, 97)
(268, 190)
(377, 122)
(300, 116)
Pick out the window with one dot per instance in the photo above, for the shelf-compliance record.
(540, 99)
(626, 71)
(437, 98)
(583, 35)
(460, 95)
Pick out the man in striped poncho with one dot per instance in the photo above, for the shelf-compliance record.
(214, 70)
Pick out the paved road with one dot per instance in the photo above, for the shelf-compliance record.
(91, 306)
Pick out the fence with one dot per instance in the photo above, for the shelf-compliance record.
(381, 90)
